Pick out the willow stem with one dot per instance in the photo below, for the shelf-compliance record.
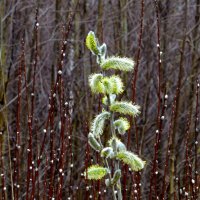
(112, 128)
(110, 177)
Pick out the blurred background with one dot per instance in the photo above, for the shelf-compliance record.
(46, 106)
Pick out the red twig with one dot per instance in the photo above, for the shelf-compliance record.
(2, 170)
(30, 117)
(16, 178)
(196, 185)
(134, 81)
(168, 150)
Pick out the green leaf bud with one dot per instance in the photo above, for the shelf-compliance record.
(103, 51)
(116, 177)
(93, 142)
(120, 146)
(114, 141)
(112, 98)
(107, 152)
(107, 182)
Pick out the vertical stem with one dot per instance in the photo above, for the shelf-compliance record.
(3, 114)
(123, 25)
(134, 81)
(196, 141)
(112, 128)
(107, 165)
(180, 76)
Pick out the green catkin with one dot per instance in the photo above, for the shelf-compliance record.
(126, 108)
(92, 43)
(95, 172)
(98, 123)
(131, 159)
(117, 63)
(122, 125)
(95, 83)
